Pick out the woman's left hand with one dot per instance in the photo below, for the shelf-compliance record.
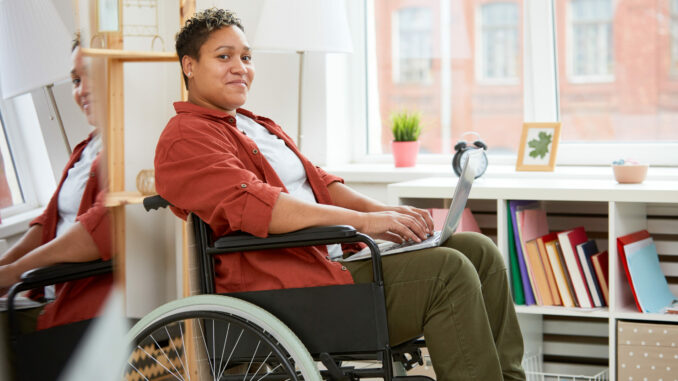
(8, 277)
(422, 215)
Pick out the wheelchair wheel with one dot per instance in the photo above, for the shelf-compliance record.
(213, 337)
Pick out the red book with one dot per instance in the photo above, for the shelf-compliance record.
(623, 241)
(569, 240)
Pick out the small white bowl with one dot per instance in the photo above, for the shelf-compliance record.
(630, 174)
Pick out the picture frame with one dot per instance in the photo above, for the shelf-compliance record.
(538, 146)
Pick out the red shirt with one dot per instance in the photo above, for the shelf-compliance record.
(205, 165)
(79, 299)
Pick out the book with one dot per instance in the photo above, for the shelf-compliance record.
(560, 272)
(621, 242)
(532, 224)
(600, 264)
(569, 239)
(652, 289)
(534, 262)
(524, 276)
(514, 267)
(548, 268)
(585, 251)
(467, 223)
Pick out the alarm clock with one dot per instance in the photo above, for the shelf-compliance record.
(463, 150)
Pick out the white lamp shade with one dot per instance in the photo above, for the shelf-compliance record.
(304, 25)
(35, 46)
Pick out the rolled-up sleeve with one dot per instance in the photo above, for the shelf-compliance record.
(328, 178)
(197, 172)
(97, 223)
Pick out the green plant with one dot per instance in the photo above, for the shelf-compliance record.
(405, 126)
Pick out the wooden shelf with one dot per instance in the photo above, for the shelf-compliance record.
(131, 55)
(114, 199)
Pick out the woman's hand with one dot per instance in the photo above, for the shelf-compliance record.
(8, 277)
(422, 215)
(396, 226)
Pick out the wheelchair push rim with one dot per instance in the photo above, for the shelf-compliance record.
(227, 332)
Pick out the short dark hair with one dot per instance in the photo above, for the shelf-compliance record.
(76, 41)
(198, 28)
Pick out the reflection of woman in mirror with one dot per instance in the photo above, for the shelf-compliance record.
(74, 226)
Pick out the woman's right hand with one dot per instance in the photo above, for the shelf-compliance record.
(392, 226)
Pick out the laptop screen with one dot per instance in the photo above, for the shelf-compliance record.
(461, 192)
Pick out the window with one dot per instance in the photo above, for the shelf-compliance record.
(499, 47)
(606, 69)
(412, 45)
(10, 191)
(638, 103)
(430, 65)
(591, 48)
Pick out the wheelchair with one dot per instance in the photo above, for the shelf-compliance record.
(274, 335)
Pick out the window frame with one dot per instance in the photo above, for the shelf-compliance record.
(541, 97)
(17, 144)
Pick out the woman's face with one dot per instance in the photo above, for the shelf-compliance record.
(222, 76)
(80, 81)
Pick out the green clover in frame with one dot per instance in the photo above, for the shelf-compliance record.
(540, 145)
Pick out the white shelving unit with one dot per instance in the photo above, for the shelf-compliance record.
(605, 208)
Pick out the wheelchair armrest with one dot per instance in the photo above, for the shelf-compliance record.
(64, 272)
(322, 235)
(304, 237)
(46, 276)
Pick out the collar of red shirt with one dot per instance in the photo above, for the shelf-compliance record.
(190, 108)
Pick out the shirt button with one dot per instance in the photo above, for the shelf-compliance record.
(230, 119)
(255, 151)
(343, 268)
(243, 185)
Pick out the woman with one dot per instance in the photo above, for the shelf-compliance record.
(244, 173)
(74, 226)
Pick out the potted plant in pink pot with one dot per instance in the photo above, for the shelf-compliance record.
(405, 146)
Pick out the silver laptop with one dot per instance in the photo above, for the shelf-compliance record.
(461, 192)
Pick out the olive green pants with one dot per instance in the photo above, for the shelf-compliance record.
(457, 296)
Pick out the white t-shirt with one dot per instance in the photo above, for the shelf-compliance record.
(285, 163)
(73, 187)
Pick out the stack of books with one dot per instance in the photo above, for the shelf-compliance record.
(553, 268)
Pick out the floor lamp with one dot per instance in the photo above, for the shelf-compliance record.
(35, 50)
(303, 26)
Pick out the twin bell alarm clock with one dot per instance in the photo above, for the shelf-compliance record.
(463, 150)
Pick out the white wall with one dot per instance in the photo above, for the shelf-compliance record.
(150, 89)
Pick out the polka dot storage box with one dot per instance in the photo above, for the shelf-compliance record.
(647, 352)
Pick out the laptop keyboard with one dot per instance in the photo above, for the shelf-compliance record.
(388, 246)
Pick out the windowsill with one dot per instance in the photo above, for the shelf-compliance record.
(18, 223)
(387, 173)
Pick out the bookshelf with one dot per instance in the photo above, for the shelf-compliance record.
(607, 210)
